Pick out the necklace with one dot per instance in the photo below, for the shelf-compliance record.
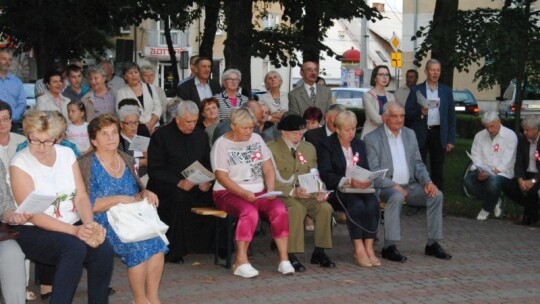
(118, 166)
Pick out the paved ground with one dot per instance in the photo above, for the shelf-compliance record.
(494, 262)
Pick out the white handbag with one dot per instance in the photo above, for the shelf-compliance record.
(136, 222)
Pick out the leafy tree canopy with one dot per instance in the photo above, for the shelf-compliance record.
(491, 39)
(305, 27)
(64, 29)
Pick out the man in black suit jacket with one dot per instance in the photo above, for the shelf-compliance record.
(200, 86)
(316, 136)
(523, 188)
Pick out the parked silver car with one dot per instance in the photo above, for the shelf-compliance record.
(530, 104)
(349, 97)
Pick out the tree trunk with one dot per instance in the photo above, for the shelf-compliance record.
(311, 27)
(211, 11)
(521, 76)
(44, 60)
(444, 24)
(172, 52)
(239, 14)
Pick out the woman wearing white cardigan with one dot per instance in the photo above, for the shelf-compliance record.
(376, 98)
(146, 94)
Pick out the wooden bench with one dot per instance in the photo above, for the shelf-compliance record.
(220, 215)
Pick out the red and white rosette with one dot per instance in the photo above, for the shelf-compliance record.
(536, 155)
(301, 158)
(355, 159)
(257, 156)
(496, 148)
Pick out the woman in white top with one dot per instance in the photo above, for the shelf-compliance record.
(59, 236)
(376, 98)
(148, 75)
(145, 93)
(53, 100)
(277, 101)
(243, 167)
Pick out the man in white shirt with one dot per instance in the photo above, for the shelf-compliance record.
(394, 147)
(201, 86)
(494, 152)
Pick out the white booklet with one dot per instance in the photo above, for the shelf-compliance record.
(198, 174)
(425, 103)
(36, 202)
(361, 174)
(486, 169)
(269, 194)
(311, 182)
(139, 143)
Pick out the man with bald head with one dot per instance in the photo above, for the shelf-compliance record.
(11, 88)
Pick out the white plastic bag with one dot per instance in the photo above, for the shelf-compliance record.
(136, 222)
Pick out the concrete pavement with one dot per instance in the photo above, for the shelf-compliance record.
(493, 262)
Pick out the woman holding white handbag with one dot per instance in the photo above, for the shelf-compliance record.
(111, 180)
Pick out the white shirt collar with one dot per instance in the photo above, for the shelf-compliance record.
(389, 132)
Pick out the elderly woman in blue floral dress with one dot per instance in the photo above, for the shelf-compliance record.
(111, 179)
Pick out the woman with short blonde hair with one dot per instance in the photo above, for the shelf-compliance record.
(243, 167)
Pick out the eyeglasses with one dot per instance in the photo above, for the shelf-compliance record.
(384, 75)
(37, 142)
(5, 120)
(233, 79)
(311, 70)
(130, 123)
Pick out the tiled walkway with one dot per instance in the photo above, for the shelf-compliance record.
(493, 262)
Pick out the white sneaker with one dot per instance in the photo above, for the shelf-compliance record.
(285, 267)
(497, 211)
(483, 215)
(246, 271)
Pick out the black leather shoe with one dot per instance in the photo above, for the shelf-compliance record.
(298, 267)
(437, 251)
(391, 253)
(322, 259)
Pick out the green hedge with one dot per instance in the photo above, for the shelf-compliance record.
(467, 125)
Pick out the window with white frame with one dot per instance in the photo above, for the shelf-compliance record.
(270, 20)
(175, 34)
(125, 29)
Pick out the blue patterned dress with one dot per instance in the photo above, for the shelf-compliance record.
(103, 185)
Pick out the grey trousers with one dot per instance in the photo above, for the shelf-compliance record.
(416, 197)
(12, 272)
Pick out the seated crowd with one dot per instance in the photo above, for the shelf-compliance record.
(254, 148)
